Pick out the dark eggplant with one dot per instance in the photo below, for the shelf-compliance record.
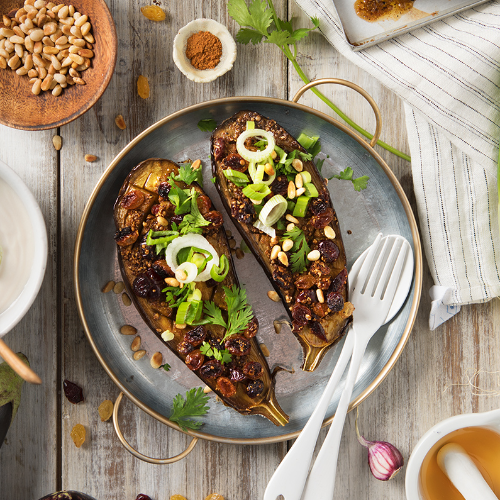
(143, 204)
(318, 325)
(67, 495)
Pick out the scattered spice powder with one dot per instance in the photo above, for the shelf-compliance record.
(204, 50)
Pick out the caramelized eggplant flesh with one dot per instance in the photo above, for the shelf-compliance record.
(315, 296)
(142, 206)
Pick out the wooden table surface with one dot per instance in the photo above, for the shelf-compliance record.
(39, 456)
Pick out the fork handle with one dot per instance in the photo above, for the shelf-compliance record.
(291, 475)
(321, 482)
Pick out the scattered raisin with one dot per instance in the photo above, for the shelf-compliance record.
(235, 162)
(216, 344)
(319, 269)
(78, 435)
(177, 219)
(239, 346)
(339, 281)
(328, 250)
(236, 374)
(322, 220)
(163, 269)
(305, 281)
(105, 410)
(255, 388)
(194, 359)
(318, 206)
(204, 203)
(335, 301)
(225, 387)
(141, 496)
(280, 185)
(133, 199)
(153, 13)
(143, 87)
(252, 328)
(253, 370)
(148, 252)
(155, 209)
(318, 330)
(306, 297)
(185, 347)
(126, 236)
(164, 189)
(301, 314)
(215, 219)
(212, 369)
(196, 336)
(243, 210)
(219, 148)
(297, 327)
(283, 277)
(73, 392)
(320, 309)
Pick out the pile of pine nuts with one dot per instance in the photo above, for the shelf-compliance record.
(51, 44)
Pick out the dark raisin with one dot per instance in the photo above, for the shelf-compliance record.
(148, 252)
(126, 236)
(322, 220)
(215, 219)
(318, 330)
(328, 250)
(324, 282)
(157, 282)
(253, 370)
(185, 347)
(320, 309)
(236, 374)
(318, 206)
(306, 297)
(177, 219)
(339, 281)
(155, 209)
(142, 286)
(164, 189)
(216, 344)
(235, 162)
(211, 369)
(239, 346)
(252, 328)
(219, 148)
(297, 327)
(73, 392)
(280, 185)
(283, 277)
(133, 199)
(225, 387)
(163, 269)
(211, 283)
(305, 281)
(255, 388)
(243, 210)
(204, 203)
(301, 314)
(335, 301)
(196, 336)
(194, 359)
(141, 496)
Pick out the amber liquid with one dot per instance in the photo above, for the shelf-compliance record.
(481, 444)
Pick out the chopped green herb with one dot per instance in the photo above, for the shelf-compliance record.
(214, 180)
(347, 175)
(299, 250)
(207, 125)
(223, 356)
(194, 221)
(188, 175)
(194, 405)
(166, 367)
(176, 295)
(244, 247)
(319, 164)
(179, 198)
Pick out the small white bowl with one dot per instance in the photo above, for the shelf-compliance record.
(13, 314)
(228, 50)
(489, 419)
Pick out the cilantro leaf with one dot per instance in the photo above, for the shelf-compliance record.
(238, 10)
(224, 356)
(176, 295)
(319, 164)
(347, 175)
(280, 38)
(360, 183)
(194, 405)
(239, 312)
(179, 198)
(261, 16)
(187, 174)
(247, 35)
(207, 125)
(194, 221)
(300, 33)
(214, 314)
(315, 21)
(299, 250)
(166, 367)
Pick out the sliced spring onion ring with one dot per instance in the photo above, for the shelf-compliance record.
(194, 311)
(236, 177)
(250, 125)
(306, 176)
(219, 273)
(300, 209)
(254, 173)
(182, 312)
(265, 229)
(186, 272)
(201, 244)
(259, 174)
(196, 295)
(255, 156)
(273, 210)
(256, 191)
(307, 141)
(311, 190)
(282, 154)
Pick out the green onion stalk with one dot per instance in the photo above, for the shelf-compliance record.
(293, 59)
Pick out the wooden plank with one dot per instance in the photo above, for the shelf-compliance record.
(28, 456)
(102, 465)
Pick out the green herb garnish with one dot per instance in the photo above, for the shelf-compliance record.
(179, 198)
(176, 295)
(188, 175)
(222, 356)
(347, 175)
(166, 367)
(194, 221)
(299, 250)
(261, 21)
(207, 125)
(214, 180)
(194, 405)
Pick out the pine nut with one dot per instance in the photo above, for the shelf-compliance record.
(290, 226)
(71, 10)
(16, 39)
(127, 301)
(162, 221)
(275, 251)
(196, 164)
(57, 90)
(239, 253)
(42, 72)
(79, 81)
(139, 354)
(172, 282)
(119, 287)
(273, 296)
(268, 169)
(128, 330)
(21, 71)
(291, 218)
(6, 20)
(61, 40)
(89, 38)
(329, 232)
(291, 190)
(14, 62)
(283, 258)
(46, 83)
(6, 32)
(156, 360)
(320, 295)
(181, 275)
(108, 287)
(60, 78)
(85, 30)
(57, 139)
(301, 191)
(37, 87)
(76, 58)
(3, 62)
(207, 389)
(120, 122)
(180, 327)
(287, 245)
(29, 44)
(313, 255)
(298, 165)
(277, 326)
(299, 181)
(63, 12)
(76, 31)
(265, 350)
(32, 73)
(274, 240)
(88, 53)
(81, 21)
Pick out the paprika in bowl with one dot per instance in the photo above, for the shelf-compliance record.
(204, 50)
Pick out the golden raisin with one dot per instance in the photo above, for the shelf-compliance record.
(105, 410)
(143, 87)
(214, 496)
(153, 13)
(177, 497)
(78, 435)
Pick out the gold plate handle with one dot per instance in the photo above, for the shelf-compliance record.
(359, 90)
(133, 451)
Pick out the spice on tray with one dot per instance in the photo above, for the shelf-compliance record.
(204, 50)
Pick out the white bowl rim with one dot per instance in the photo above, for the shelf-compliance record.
(433, 435)
(16, 311)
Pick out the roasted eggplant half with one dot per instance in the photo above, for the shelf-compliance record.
(176, 264)
(282, 208)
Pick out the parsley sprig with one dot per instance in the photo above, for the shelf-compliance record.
(224, 356)
(175, 295)
(259, 21)
(188, 175)
(347, 175)
(207, 125)
(299, 250)
(194, 405)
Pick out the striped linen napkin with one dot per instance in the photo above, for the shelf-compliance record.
(448, 74)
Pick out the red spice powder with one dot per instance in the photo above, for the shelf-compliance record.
(204, 50)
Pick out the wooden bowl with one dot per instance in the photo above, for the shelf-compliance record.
(20, 108)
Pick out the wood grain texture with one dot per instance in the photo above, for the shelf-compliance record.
(29, 455)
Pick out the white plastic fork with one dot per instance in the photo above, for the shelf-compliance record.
(291, 475)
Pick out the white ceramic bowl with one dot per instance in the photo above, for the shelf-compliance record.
(13, 314)
(490, 419)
